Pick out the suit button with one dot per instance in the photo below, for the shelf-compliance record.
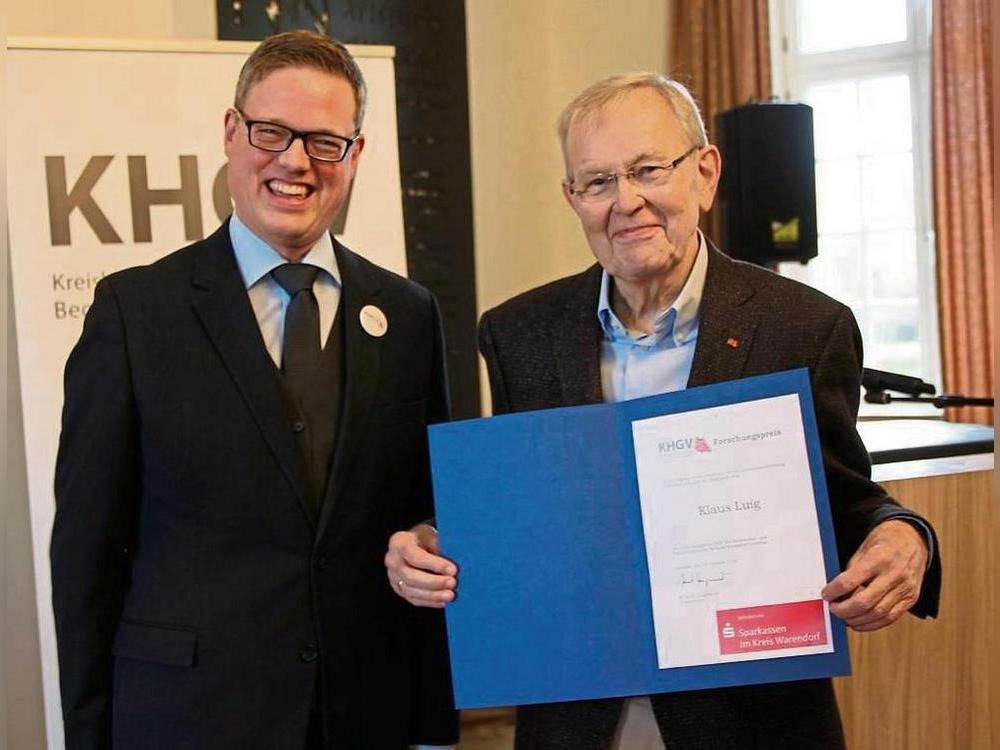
(309, 653)
(299, 425)
(321, 563)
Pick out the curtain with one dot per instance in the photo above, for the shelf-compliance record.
(721, 51)
(961, 83)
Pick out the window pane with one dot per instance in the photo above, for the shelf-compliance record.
(835, 118)
(863, 67)
(893, 340)
(887, 191)
(837, 270)
(827, 25)
(884, 107)
(838, 196)
(892, 265)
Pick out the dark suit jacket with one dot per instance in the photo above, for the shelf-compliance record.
(199, 601)
(542, 350)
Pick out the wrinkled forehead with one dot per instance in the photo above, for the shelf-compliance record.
(636, 123)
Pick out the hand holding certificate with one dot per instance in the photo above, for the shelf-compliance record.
(671, 543)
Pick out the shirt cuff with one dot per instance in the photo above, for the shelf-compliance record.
(920, 525)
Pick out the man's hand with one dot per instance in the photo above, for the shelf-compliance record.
(416, 571)
(882, 579)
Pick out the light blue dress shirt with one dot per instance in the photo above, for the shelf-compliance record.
(634, 365)
(256, 259)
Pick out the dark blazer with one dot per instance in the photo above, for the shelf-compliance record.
(198, 599)
(542, 350)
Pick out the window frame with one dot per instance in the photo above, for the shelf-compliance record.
(792, 73)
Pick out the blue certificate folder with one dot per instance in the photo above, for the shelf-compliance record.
(540, 510)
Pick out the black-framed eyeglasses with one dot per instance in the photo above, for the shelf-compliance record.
(602, 185)
(270, 136)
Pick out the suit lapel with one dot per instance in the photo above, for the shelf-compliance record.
(576, 338)
(362, 356)
(726, 326)
(220, 301)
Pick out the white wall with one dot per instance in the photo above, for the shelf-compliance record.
(527, 58)
(9, 625)
(22, 723)
(113, 19)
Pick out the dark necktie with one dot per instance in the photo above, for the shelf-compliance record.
(300, 347)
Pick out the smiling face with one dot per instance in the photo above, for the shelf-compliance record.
(641, 235)
(288, 199)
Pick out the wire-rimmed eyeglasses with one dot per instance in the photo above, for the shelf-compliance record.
(646, 174)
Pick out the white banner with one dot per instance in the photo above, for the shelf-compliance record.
(114, 158)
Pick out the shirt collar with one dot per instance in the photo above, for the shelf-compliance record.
(679, 321)
(256, 259)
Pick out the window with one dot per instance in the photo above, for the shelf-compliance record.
(864, 68)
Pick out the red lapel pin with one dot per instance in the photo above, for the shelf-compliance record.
(732, 342)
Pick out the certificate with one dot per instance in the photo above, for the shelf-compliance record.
(676, 542)
(731, 534)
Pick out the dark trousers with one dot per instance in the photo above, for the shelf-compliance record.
(314, 734)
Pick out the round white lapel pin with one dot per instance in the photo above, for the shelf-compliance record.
(373, 321)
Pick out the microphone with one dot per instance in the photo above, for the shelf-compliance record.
(878, 380)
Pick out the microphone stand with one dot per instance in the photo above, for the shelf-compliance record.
(942, 401)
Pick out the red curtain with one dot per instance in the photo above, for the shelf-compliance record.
(721, 49)
(963, 197)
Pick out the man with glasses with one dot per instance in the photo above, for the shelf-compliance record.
(244, 426)
(663, 310)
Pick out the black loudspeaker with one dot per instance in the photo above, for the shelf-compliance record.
(767, 195)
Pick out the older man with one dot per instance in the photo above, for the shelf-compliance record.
(244, 426)
(660, 311)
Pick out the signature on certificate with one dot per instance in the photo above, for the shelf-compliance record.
(704, 579)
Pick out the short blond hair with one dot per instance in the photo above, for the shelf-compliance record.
(674, 93)
(305, 49)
